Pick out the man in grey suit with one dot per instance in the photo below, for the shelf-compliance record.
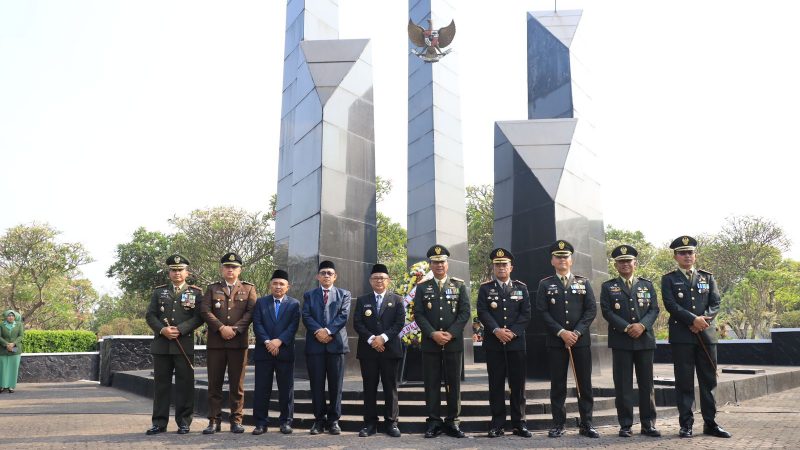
(325, 313)
(630, 306)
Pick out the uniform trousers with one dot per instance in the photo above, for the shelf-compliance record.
(163, 368)
(434, 364)
(625, 362)
(235, 359)
(687, 358)
(502, 365)
(558, 359)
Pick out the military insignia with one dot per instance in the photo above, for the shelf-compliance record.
(430, 305)
(162, 308)
(685, 240)
(493, 305)
(552, 301)
(616, 306)
(501, 253)
(430, 41)
(389, 304)
(680, 294)
(177, 260)
(232, 258)
(438, 250)
(614, 289)
(368, 312)
(218, 305)
(623, 250)
(641, 304)
(561, 245)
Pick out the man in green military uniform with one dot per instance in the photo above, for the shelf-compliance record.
(441, 310)
(173, 314)
(630, 306)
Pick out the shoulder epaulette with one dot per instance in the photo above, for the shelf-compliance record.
(705, 271)
(520, 282)
(546, 278)
(159, 287)
(487, 282)
(196, 287)
(457, 279)
(248, 283)
(609, 281)
(645, 279)
(579, 276)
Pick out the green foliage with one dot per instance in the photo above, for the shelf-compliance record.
(789, 319)
(139, 264)
(480, 232)
(392, 237)
(125, 326)
(124, 307)
(56, 341)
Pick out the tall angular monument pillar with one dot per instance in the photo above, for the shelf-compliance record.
(326, 186)
(545, 182)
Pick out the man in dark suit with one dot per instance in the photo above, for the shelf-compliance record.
(504, 309)
(630, 306)
(275, 321)
(325, 312)
(173, 314)
(441, 310)
(566, 303)
(378, 319)
(692, 300)
(228, 310)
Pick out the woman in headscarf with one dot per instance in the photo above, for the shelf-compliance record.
(11, 332)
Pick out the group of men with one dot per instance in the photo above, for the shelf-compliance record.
(565, 302)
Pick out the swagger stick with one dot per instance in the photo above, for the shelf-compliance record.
(180, 347)
(708, 355)
(574, 372)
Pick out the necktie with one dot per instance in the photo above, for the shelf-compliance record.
(440, 283)
(177, 290)
(325, 297)
(378, 300)
(564, 280)
(689, 274)
(628, 283)
(228, 289)
(277, 307)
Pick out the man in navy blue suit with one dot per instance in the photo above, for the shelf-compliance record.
(275, 321)
(325, 312)
(378, 319)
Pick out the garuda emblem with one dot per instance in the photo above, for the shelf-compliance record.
(430, 41)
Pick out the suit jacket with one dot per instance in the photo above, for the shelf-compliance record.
(266, 327)
(369, 321)
(314, 319)
(572, 308)
(181, 310)
(500, 309)
(446, 310)
(686, 299)
(14, 335)
(234, 310)
(622, 307)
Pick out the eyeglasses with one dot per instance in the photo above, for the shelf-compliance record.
(327, 273)
(686, 252)
(381, 279)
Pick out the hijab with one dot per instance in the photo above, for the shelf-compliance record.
(6, 323)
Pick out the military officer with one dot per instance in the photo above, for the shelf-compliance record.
(566, 303)
(504, 309)
(228, 310)
(630, 306)
(692, 300)
(441, 311)
(173, 314)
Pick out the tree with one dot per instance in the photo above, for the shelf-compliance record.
(392, 237)
(139, 264)
(480, 232)
(35, 270)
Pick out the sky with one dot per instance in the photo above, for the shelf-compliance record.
(120, 114)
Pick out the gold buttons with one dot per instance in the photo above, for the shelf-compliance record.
(568, 322)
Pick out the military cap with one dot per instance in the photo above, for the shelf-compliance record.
(561, 248)
(623, 252)
(438, 253)
(231, 259)
(326, 265)
(683, 243)
(177, 261)
(501, 255)
(379, 268)
(282, 274)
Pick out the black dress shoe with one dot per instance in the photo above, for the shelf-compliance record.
(259, 430)
(556, 432)
(686, 432)
(183, 429)
(317, 428)
(392, 430)
(10, 391)
(286, 428)
(368, 430)
(716, 431)
(155, 429)
(588, 431)
(452, 430)
(237, 428)
(213, 427)
(651, 431)
(433, 431)
(625, 432)
(521, 431)
(334, 428)
(495, 432)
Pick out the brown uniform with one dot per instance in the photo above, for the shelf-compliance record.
(235, 309)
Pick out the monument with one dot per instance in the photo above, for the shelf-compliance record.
(545, 182)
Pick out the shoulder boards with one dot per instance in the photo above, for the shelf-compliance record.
(520, 282)
(610, 281)
(487, 282)
(195, 287)
(578, 276)
(159, 287)
(457, 279)
(248, 283)
(705, 271)
(645, 279)
(546, 278)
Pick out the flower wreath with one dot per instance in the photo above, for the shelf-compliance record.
(411, 335)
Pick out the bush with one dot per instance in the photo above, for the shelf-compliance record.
(789, 319)
(59, 341)
(123, 326)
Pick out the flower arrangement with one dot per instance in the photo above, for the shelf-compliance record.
(411, 334)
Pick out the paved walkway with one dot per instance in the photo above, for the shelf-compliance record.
(89, 416)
